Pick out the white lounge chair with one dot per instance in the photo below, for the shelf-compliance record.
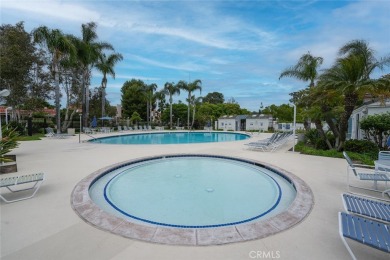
(21, 183)
(364, 231)
(365, 173)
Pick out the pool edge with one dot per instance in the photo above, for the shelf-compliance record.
(87, 210)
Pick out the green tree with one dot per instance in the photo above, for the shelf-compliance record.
(179, 113)
(23, 69)
(135, 117)
(133, 98)
(148, 91)
(171, 89)
(377, 127)
(106, 66)
(59, 46)
(189, 88)
(306, 69)
(214, 98)
(89, 49)
(350, 77)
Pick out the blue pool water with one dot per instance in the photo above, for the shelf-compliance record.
(172, 138)
(192, 191)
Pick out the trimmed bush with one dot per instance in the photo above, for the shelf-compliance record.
(361, 146)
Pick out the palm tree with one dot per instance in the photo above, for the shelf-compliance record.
(190, 87)
(159, 96)
(195, 101)
(171, 89)
(306, 69)
(148, 92)
(106, 66)
(89, 51)
(350, 76)
(59, 46)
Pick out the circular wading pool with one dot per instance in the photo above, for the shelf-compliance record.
(192, 199)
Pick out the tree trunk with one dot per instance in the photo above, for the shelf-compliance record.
(57, 100)
(188, 110)
(170, 111)
(349, 105)
(320, 130)
(193, 117)
(103, 101)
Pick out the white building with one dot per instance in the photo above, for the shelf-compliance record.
(354, 131)
(258, 122)
(227, 123)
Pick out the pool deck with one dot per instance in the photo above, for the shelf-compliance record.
(46, 227)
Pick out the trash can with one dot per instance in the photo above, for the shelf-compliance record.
(71, 131)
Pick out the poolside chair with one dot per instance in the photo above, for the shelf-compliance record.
(384, 155)
(22, 182)
(368, 175)
(365, 231)
(49, 132)
(367, 207)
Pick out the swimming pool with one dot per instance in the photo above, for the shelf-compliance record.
(171, 138)
(242, 200)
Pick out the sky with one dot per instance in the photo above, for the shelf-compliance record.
(238, 48)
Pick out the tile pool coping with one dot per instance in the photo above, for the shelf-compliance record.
(298, 210)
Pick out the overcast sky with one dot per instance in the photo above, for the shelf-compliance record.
(238, 48)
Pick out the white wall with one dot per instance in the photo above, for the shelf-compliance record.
(227, 124)
(257, 124)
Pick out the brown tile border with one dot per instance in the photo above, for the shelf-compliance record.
(93, 215)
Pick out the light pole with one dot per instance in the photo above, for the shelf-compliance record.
(6, 115)
(3, 93)
(294, 126)
(80, 128)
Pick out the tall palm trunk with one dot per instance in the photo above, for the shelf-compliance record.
(103, 101)
(57, 100)
(170, 111)
(188, 110)
(349, 105)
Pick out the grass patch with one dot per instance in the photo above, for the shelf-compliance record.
(34, 137)
(356, 157)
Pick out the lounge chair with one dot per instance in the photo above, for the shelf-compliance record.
(369, 174)
(271, 145)
(365, 231)
(21, 182)
(374, 209)
(49, 132)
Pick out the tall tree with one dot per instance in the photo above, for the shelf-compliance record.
(149, 95)
(171, 89)
(214, 98)
(189, 88)
(306, 69)
(133, 98)
(88, 51)
(106, 66)
(23, 70)
(350, 76)
(59, 46)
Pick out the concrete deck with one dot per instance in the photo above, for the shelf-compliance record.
(46, 227)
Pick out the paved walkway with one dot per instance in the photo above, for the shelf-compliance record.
(46, 227)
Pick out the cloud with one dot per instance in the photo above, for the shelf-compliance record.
(52, 8)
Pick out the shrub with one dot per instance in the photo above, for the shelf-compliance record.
(312, 136)
(361, 146)
(18, 127)
(8, 141)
